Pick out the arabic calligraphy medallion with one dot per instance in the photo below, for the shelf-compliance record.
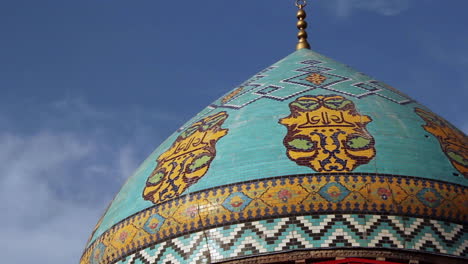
(187, 160)
(452, 141)
(327, 134)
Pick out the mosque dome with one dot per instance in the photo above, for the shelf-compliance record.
(309, 160)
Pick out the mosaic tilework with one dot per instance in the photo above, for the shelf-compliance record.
(327, 134)
(187, 160)
(383, 90)
(253, 152)
(310, 77)
(315, 76)
(453, 142)
(247, 93)
(308, 232)
(287, 196)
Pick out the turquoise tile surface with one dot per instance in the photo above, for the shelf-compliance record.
(253, 147)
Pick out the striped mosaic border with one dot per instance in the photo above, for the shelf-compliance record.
(296, 195)
(311, 233)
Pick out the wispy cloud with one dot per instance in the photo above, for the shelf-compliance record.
(127, 161)
(39, 222)
(55, 186)
(345, 8)
(57, 179)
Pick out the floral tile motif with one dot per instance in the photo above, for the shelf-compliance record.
(124, 236)
(334, 192)
(284, 194)
(236, 202)
(97, 254)
(154, 223)
(430, 197)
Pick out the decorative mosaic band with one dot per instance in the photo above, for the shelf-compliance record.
(307, 232)
(296, 195)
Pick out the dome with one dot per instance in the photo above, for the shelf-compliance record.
(308, 159)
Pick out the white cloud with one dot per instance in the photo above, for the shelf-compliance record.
(345, 8)
(56, 181)
(78, 107)
(127, 161)
(46, 181)
(39, 224)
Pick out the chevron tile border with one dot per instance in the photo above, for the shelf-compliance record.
(276, 198)
(308, 232)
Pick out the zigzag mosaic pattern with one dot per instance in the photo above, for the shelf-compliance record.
(308, 232)
(287, 196)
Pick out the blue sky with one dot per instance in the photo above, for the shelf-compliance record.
(90, 88)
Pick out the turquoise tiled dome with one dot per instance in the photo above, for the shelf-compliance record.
(308, 155)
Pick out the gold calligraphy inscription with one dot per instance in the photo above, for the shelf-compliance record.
(453, 142)
(327, 134)
(187, 160)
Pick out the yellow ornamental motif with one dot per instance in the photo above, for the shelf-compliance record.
(316, 78)
(452, 141)
(231, 95)
(327, 134)
(186, 161)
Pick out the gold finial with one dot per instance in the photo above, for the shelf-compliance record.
(302, 25)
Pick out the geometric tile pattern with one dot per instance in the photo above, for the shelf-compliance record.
(236, 202)
(295, 196)
(153, 224)
(314, 76)
(308, 232)
(382, 90)
(311, 77)
(334, 192)
(340, 206)
(247, 93)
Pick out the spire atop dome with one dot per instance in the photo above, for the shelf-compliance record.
(302, 25)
